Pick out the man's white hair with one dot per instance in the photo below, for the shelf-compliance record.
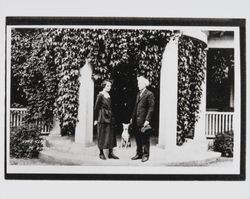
(143, 80)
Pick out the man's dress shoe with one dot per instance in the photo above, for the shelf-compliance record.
(136, 157)
(144, 159)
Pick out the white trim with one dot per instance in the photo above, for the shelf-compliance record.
(223, 42)
(137, 27)
(237, 100)
(8, 87)
(137, 170)
(196, 34)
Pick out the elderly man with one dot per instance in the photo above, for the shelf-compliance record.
(141, 119)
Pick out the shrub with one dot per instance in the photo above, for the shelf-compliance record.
(25, 142)
(224, 143)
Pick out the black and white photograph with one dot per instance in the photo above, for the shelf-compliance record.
(133, 98)
(124, 99)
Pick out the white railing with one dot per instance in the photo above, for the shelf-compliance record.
(218, 122)
(17, 118)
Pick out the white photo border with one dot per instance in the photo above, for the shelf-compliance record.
(135, 173)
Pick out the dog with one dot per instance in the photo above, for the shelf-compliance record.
(125, 141)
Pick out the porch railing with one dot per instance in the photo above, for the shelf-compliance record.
(218, 122)
(17, 118)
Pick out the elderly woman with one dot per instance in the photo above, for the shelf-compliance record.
(104, 121)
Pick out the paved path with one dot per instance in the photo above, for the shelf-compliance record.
(221, 162)
(66, 152)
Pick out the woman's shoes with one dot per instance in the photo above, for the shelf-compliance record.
(102, 156)
(112, 156)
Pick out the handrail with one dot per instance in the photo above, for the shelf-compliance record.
(217, 112)
(18, 109)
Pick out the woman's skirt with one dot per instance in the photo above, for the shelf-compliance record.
(106, 136)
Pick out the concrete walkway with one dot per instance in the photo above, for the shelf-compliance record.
(64, 151)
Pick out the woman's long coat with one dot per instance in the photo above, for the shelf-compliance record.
(105, 119)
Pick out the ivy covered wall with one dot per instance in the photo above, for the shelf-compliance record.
(46, 64)
(191, 75)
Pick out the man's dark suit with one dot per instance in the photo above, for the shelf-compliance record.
(143, 111)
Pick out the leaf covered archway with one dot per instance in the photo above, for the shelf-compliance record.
(46, 64)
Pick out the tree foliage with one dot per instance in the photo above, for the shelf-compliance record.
(220, 79)
(32, 66)
(221, 63)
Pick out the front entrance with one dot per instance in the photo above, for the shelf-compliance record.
(124, 91)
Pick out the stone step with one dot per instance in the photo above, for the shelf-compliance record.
(66, 144)
(59, 143)
(158, 157)
(64, 151)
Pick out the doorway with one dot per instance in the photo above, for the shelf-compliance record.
(123, 93)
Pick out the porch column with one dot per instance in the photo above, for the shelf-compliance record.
(168, 96)
(55, 131)
(84, 128)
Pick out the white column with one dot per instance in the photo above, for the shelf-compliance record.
(84, 128)
(168, 96)
(56, 130)
(231, 102)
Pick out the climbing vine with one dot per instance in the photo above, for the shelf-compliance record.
(34, 71)
(191, 74)
(47, 62)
